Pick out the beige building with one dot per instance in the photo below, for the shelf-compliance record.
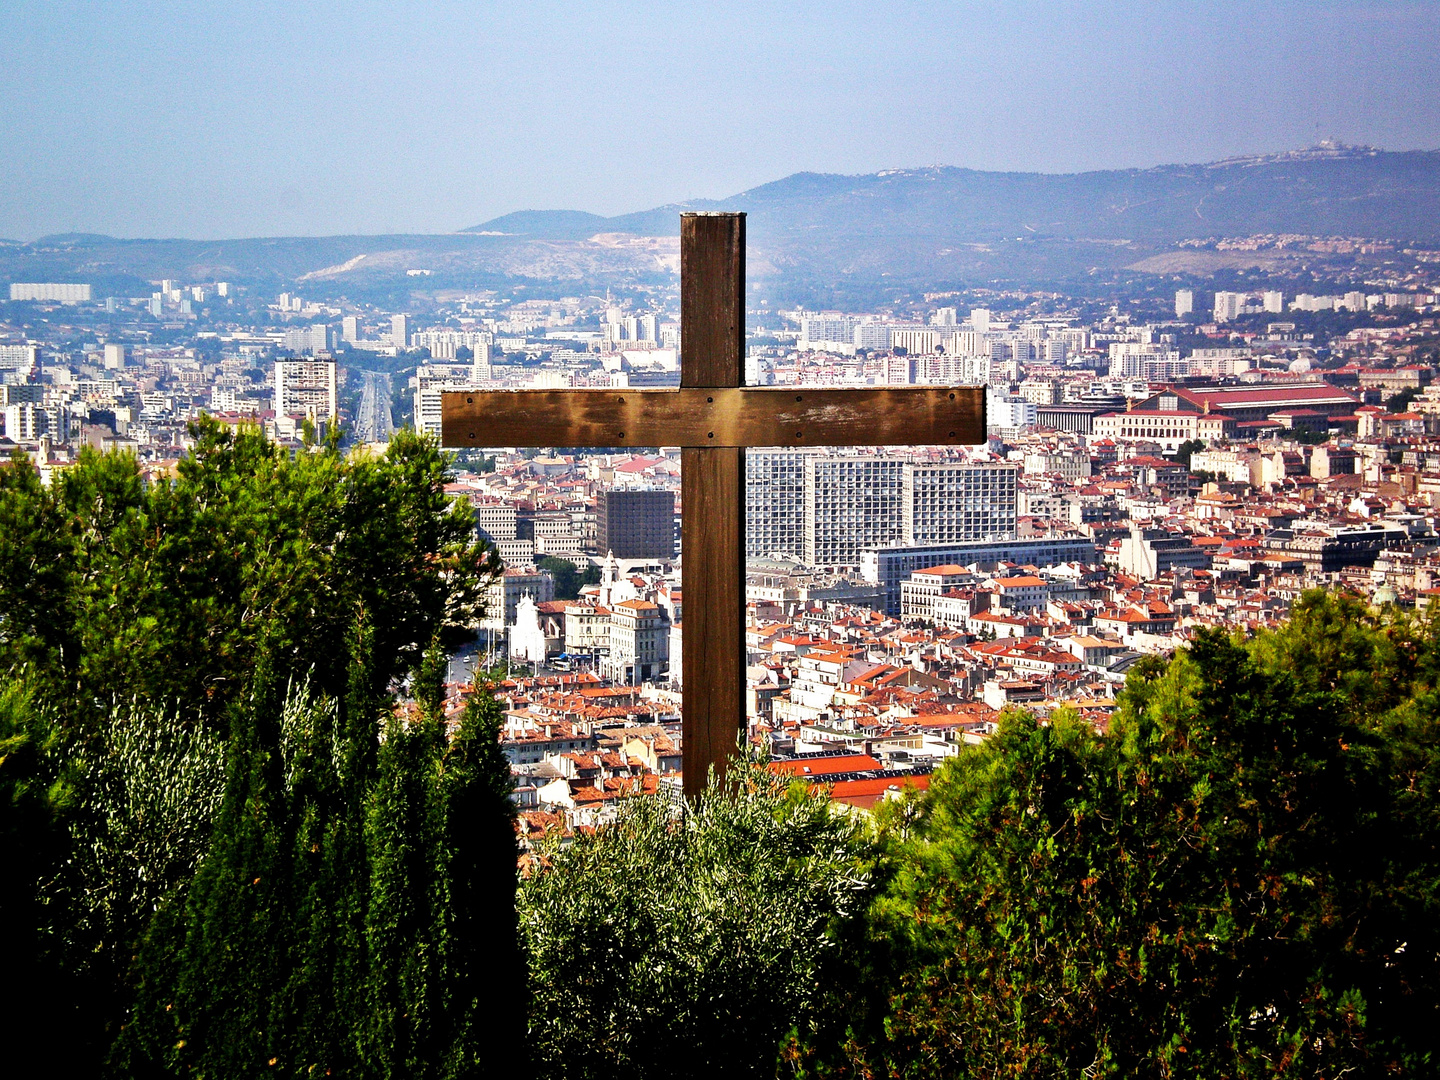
(639, 643)
(504, 593)
(587, 628)
(918, 595)
(1168, 427)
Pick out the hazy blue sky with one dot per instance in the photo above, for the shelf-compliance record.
(259, 118)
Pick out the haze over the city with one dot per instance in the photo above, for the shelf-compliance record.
(278, 119)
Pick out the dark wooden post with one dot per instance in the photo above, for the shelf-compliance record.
(712, 485)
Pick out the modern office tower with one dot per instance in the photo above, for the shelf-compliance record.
(496, 520)
(54, 292)
(636, 524)
(951, 502)
(446, 344)
(114, 357)
(1008, 413)
(972, 370)
(350, 328)
(1154, 363)
(630, 328)
(311, 340)
(775, 502)
(480, 365)
(967, 343)
(851, 503)
(1184, 302)
(306, 386)
(980, 320)
(430, 382)
(916, 342)
(824, 509)
(649, 328)
(818, 330)
(24, 422)
(22, 394)
(428, 410)
(400, 331)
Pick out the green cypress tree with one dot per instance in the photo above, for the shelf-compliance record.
(446, 980)
(211, 971)
(342, 916)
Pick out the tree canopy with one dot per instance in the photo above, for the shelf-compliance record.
(1240, 879)
(167, 590)
(239, 831)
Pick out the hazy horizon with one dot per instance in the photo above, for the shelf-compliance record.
(165, 121)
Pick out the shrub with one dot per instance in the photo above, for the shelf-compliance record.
(690, 941)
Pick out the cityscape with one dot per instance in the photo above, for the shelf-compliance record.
(1152, 467)
(693, 541)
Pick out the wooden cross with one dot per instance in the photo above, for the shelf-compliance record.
(713, 417)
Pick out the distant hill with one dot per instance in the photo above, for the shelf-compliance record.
(1327, 190)
(817, 235)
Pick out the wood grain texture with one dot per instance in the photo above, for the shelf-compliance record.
(715, 416)
(712, 299)
(712, 538)
(712, 483)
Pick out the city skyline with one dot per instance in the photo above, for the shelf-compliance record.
(280, 121)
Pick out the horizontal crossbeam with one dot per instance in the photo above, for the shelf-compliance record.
(715, 416)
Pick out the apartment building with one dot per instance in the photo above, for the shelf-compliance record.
(947, 503)
(774, 502)
(306, 387)
(851, 503)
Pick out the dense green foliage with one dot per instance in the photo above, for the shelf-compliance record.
(164, 592)
(690, 942)
(1187, 449)
(355, 914)
(1240, 880)
(223, 845)
(568, 580)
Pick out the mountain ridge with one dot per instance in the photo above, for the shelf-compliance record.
(1324, 190)
(818, 237)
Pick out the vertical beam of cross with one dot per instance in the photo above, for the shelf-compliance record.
(712, 419)
(712, 487)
